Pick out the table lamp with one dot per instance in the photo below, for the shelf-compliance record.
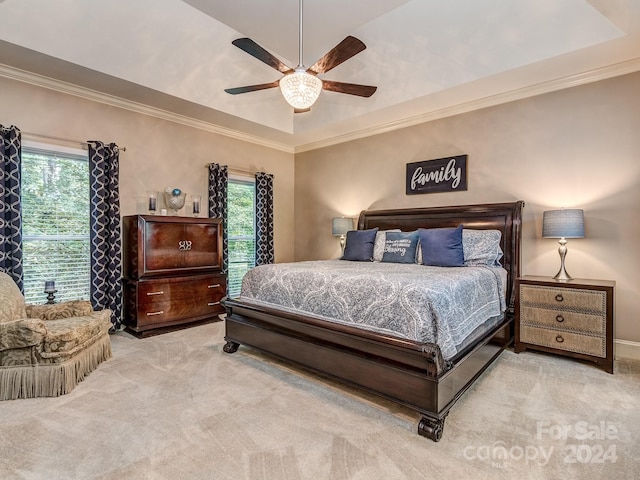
(340, 227)
(563, 224)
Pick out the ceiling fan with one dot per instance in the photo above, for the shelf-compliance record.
(301, 86)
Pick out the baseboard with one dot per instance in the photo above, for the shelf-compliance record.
(627, 349)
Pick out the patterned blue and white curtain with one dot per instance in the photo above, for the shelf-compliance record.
(218, 186)
(106, 272)
(10, 209)
(264, 218)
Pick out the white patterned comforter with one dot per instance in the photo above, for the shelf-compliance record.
(440, 305)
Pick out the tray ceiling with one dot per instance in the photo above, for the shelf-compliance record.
(426, 57)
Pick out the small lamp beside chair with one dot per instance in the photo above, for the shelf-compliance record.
(50, 290)
(340, 227)
(563, 224)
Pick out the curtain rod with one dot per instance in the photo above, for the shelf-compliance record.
(37, 136)
(238, 171)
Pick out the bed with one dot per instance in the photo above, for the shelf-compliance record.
(408, 370)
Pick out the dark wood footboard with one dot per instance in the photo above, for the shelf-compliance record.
(413, 375)
(410, 373)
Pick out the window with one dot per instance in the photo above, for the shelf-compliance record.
(55, 222)
(241, 232)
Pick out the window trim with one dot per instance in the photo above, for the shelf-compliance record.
(54, 147)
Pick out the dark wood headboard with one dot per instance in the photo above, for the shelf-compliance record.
(506, 217)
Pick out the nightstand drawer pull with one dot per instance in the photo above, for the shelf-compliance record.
(156, 293)
(214, 286)
(559, 297)
(211, 304)
(149, 314)
(559, 339)
(559, 318)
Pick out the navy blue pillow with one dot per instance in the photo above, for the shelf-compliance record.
(400, 247)
(359, 246)
(442, 247)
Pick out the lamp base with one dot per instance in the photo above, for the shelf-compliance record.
(562, 275)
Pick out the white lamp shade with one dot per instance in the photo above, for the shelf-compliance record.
(341, 225)
(565, 223)
(300, 89)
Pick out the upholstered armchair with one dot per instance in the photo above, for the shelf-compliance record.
(46, 350)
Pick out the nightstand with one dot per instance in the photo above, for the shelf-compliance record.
(573, 318)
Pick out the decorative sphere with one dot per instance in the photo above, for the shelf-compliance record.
(175, 192)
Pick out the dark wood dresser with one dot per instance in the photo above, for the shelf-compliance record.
(172, 272)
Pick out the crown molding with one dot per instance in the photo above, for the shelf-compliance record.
(114, 101)
(570, 81)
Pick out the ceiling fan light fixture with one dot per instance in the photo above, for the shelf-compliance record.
(300, 89)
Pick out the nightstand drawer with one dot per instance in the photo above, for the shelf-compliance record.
(571, 342)
(565, 299)
(564, 320)
(571, 318)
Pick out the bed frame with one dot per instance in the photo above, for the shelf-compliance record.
(411, 373)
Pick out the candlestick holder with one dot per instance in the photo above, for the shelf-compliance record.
(51, 298)
(152, 202)
(195, 202)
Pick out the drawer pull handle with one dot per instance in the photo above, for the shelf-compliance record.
(184, 245)
(149, 314)
(214, 286)
(559, 339)
(211, 304)
(156, 293)
(559, 297)
(560, 318)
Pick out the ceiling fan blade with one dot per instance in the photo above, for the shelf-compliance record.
(255, 50)
(346, 49)
(349, 88)
(251, 88)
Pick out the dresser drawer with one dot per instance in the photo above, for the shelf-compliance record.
(169, 301)
(564, 320)
(566, 298)
(159, 313)
(158, 291)
(562, 340)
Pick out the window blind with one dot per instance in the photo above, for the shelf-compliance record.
(55, 224)
(240, 233)
(242, 258)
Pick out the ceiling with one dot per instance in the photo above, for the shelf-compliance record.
(428, 58)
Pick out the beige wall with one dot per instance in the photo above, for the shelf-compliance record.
(577, 147)
(158, 153)
(573, 148)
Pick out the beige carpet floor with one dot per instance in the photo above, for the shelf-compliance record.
(175, 406)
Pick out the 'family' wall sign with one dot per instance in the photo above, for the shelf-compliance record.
(441, 175)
